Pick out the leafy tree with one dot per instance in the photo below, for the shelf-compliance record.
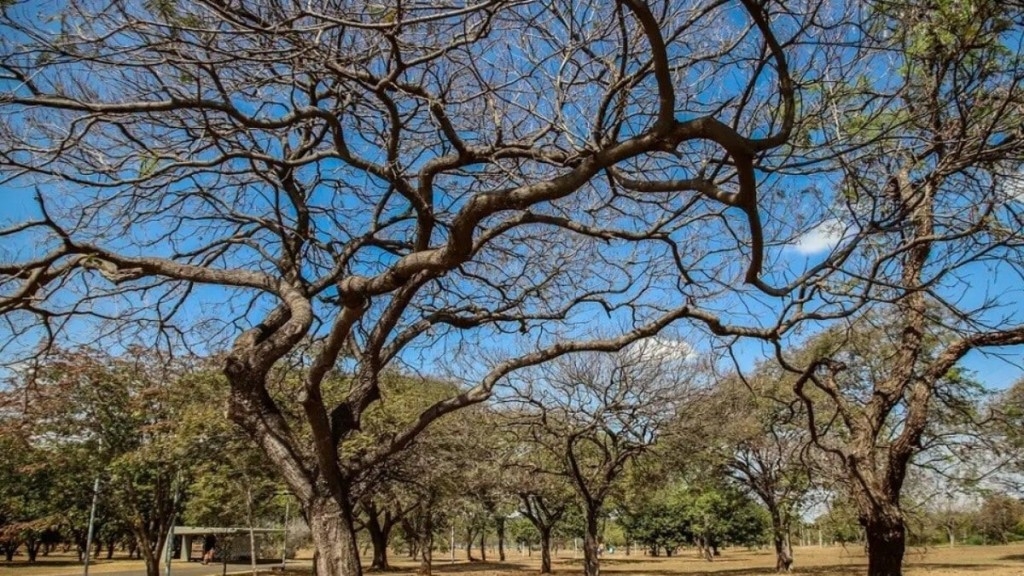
(130, 419)
(756, 435)
(723, 514)
(839, 524)
(658, 520)
(1001, 518)
(544, 505)
(391, 490)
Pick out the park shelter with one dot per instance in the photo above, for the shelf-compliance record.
(233, 540)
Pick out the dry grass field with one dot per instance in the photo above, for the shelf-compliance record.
(829, 561)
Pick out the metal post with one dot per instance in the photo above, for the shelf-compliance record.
(92, 520)
(284, 546)
(453, 541)
(169, 549)
(169, 543)
(252, 535)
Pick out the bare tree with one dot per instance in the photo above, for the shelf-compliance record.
(594, 413)
(383, 183)
(766, 444)
(925, 162)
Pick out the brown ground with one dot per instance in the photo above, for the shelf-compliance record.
(829, 561)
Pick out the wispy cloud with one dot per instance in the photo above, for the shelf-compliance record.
(824, 236)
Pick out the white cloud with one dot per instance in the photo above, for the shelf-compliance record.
(824, 236)
(661, 349)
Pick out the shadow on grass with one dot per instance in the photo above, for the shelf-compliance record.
(1013, 557)
(24, 563)
(43, 562)
(850, 570)
(477, 566)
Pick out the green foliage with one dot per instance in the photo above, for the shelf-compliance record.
(840, 523)
(153, 431)
(522, 531)
(661, 521)
(725, 515)
(673, 516)
(1001, 518)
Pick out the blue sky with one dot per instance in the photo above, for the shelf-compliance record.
(996, 368)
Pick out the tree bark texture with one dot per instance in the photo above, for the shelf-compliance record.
(591, 546)
(783, 558)
(330, 524)
(545, 550)
(887, 542)
(379, 536)
(500, 526)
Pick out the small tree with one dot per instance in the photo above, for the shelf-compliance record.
(1001, 518)
(594, 413)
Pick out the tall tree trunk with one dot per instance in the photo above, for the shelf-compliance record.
(499, 523)
(110, 549)
(887, 542)
(427, 544)
(152, 558)
(32, 549)
(379, 535)
(470, 538)
(330, 524)
(704, 548)
(545, 550)
(411, 537)
(783, 558)
(591, 547)
(483, 544)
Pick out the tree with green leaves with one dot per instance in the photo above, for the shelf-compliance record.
(141, 423)
(391, 490)
(722, 514)
(657, 519)
(544, 501)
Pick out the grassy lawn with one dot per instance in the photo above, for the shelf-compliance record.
(59, 563)
(829, 561)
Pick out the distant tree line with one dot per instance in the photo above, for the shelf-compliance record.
(647, 450)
